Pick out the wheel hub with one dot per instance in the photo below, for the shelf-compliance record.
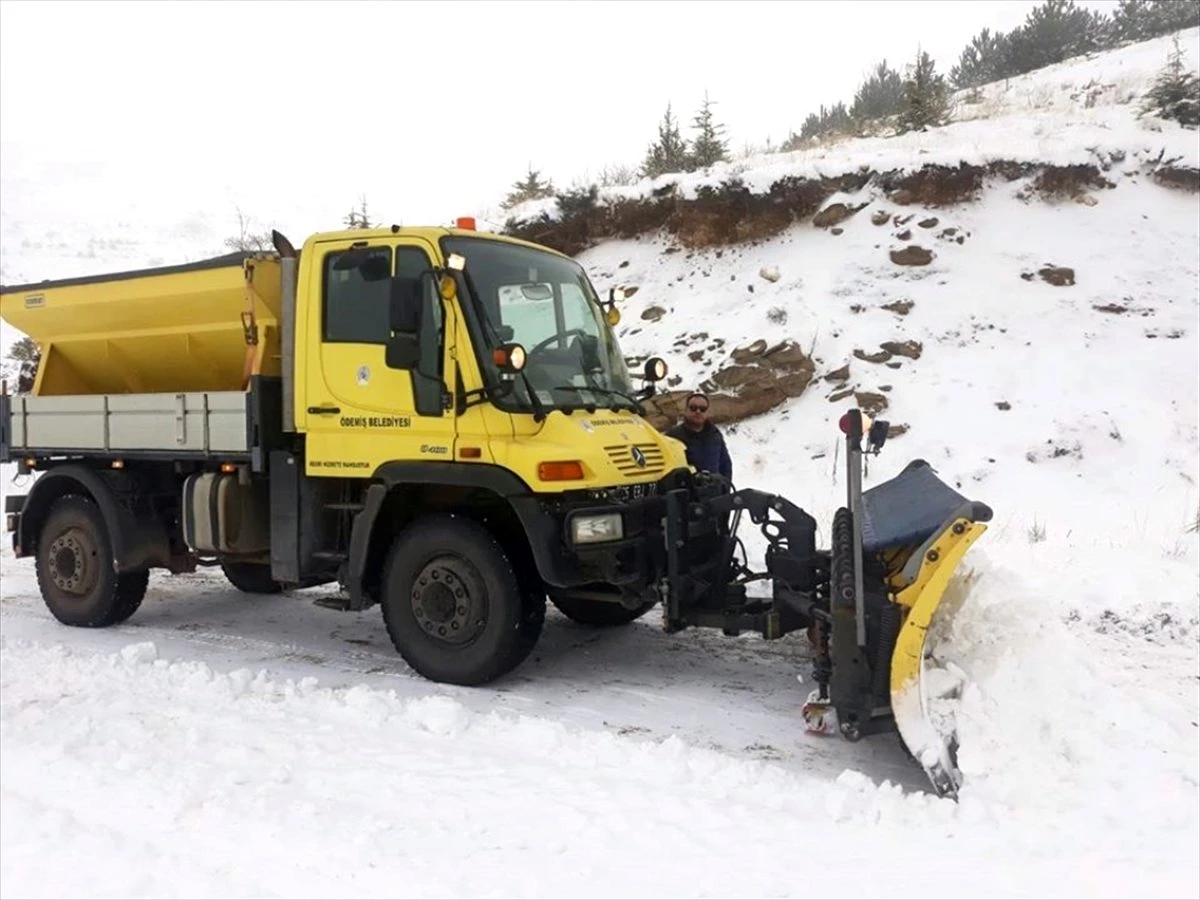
(447, 601)
(69, 564)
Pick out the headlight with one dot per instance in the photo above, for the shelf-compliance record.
(595, 529)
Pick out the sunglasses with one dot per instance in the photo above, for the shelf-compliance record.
(692, 407)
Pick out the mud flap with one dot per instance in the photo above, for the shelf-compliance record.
(914, 687)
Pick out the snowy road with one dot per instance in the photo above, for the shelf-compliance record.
(221, 745)
(736, 695)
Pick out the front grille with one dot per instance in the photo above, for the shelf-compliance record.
(626, 460)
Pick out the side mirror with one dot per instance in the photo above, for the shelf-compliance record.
(404, 304)
(612, 315)
(405, 311)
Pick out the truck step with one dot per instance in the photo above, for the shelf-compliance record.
(332, 555)
(349, 507)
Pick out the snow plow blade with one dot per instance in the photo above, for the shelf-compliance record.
(907, 538)
(911, 693)
(867, 602)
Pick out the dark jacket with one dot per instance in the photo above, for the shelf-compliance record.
(706, 448)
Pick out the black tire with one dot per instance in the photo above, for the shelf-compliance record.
(74, 568)
(250, 578)
(599, 612)
(453, 606)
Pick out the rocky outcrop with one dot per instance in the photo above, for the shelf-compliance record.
(912, 255)
(757, 379)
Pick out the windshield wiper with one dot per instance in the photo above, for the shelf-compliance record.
(634, 404)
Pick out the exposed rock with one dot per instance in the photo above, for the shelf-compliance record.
(787, 354)
(696, 355)
(880, 217)
(910, 349)
(931, 222)
(630, 291)
(836, 231)
(903, 197)
(879, 357)
(902, 220)
(744, 354)
(623, 265)
(758, 379)
(1003, 405)
(833, 214)
(894, 364)
(904, 235)
(912, 255)
(674, 380)
(1059, 276)
(840, 395)
(653, 313)
(870, 402)
(894, 431)
(886, 388)
(899, 307)
(840, 375)
(948, 232)
(734, 376)
(1183, 177)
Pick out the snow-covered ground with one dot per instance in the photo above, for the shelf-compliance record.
(220, 745)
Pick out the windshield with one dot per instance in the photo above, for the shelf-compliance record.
(545, 303)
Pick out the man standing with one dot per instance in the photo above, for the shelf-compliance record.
(703, 441)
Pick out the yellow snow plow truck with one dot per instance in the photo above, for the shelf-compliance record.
(441, 421)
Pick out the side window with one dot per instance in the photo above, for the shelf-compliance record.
(355, 308)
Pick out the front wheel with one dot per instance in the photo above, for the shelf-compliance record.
(74, 566)
(453, 606)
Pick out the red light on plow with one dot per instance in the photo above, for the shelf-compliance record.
(844, 423)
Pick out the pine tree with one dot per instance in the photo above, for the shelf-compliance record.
(1140, 20)
(21, 364)
(531, 187)
(926, 96)
(879, 96)
(669, 153)
(1175, 94)
(1051, 33)
(708, 147)
(981, 62)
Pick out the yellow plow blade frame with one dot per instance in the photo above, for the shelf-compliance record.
(909, 702)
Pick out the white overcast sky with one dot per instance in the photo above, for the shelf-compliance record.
(429, 109)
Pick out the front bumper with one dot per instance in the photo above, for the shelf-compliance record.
(634, 562)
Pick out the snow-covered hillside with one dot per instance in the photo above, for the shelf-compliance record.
(218, 745)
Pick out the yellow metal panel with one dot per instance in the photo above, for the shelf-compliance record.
(152, 332)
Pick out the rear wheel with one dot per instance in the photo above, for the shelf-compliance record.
(74, 565)
(453, 605)
(600, 613)
(250, 578)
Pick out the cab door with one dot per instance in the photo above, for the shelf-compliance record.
(360, 413)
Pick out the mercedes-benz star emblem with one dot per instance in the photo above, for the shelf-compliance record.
(638, 457)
